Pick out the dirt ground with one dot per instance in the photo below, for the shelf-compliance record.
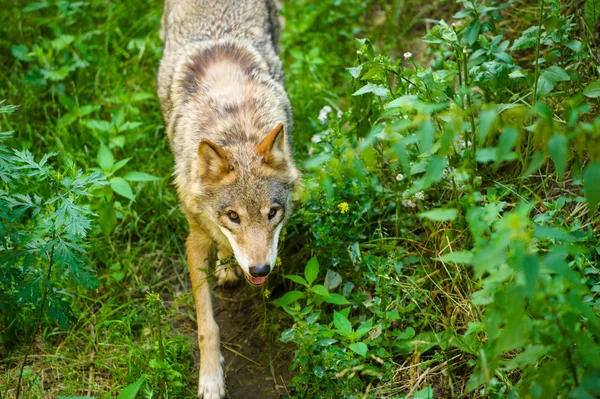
(250, 354)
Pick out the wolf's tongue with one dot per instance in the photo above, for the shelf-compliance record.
(257, 280)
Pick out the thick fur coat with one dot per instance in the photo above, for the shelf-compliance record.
(228, 120)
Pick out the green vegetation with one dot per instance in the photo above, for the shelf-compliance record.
(446, 241)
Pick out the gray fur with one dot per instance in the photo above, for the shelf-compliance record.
(223, 101)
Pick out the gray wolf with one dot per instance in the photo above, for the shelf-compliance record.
(228, 120)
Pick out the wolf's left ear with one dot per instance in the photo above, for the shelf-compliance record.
(272, 148)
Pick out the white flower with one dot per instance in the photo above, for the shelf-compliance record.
(409, 203)
(358, 52)
(399, 177)
(315, 139)
(460, 144)
(420, 195)
(407, 55)
(324, 113)
(340, 114)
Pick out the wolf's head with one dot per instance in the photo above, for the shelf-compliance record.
(248, 189)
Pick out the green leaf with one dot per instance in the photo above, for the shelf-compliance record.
(332, 280)
(106, 160)
(121, 187)
(107, 218)
(140, 176)
(440, 215)
(296, 279)
(38, 5)
(527, 39)
(556, 74)
(311, 271)
(359, 348)
(592, 13)
(457, 257)
(558, 147)
(96, 124)
(425, 393)
(131, 391)
(21, 53)
(591, 184)
(487, 119)
(320, 290)
(289, 298)
(119, 164)
(378, 90)
(342, 324)
(336, 299)
(593, 90)
(473, 31)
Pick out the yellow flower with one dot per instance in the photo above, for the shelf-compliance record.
(343, 207)
(267, 293)
(278, 262)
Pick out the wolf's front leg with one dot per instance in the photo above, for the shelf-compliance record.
(211, 384)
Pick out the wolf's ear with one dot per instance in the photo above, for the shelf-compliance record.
(272, 148)
(213, 161)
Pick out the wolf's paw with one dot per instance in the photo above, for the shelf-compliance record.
(211, 384)
(227, 274)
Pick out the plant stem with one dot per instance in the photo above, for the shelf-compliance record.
(38, 322)
(537, 52)
(471, 117)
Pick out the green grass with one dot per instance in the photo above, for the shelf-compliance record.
(387, 299)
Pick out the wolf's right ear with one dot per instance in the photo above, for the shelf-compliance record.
(272, 148)
(213, 161)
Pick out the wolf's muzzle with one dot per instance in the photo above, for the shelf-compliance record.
(260, 271)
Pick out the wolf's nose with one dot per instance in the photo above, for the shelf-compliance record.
(260, 271)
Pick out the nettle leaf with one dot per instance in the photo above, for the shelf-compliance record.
(527, 39)
(359, 348)
(558, 147)
(105, 159)
(593, 90)
(378, 90)
(356, 71)
(440, 215)
(119, 164)
(342, 324)
(548, 80)
(96, 124)
(592, 13)
(311, 271)
(296, 279)
(140, 177)
(332, 280)
(457, 257)
(336, 299)
(107, 218)
(591, 184)
(21, 52)
(131, 391)
(320, 290)
(121, 187)
(289, 298)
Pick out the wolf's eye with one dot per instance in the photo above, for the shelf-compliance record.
(272, 213)
(233, 216)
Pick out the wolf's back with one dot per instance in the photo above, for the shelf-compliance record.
(192, 20)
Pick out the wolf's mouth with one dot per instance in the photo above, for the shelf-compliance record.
(255, 280)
